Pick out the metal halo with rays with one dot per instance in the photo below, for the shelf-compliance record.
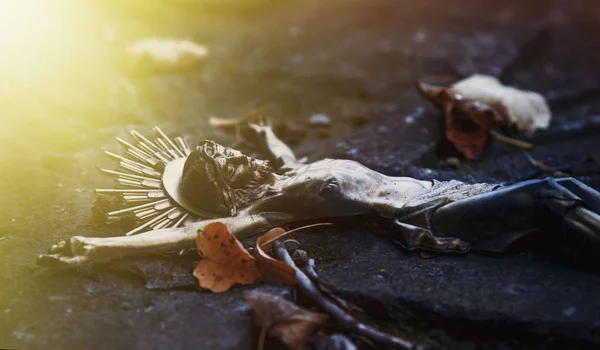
(147, 180)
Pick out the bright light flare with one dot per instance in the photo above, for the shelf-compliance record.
(19, 20)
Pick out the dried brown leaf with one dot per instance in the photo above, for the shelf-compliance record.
(468, 122)
(526, 110)
(283, 319)
(162, 54)
(269, 267)
(225, 261)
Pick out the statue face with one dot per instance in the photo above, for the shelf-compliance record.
(215, 178)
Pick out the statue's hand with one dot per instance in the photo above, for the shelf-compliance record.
(72, 252)
(258, 133)
(261, 127)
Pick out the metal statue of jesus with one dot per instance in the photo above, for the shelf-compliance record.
(251, 196)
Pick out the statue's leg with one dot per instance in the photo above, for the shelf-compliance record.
(494, 220)
(413, 231)
(589, 196)
(416, 238)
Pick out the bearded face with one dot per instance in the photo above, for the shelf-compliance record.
(221, 180)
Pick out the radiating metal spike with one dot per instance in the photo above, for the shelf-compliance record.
(171, 152)
(181, 220)
(148, 149)
(128, 167)
(160, 224)
(138, 207)
(136, 201)
(143, 168)
(148, 223)
(136, 198)
(130, 146)
(156, 194)
(151, 183)
(169, 141)
(130, 183)
(164, 157)
(147, 183)
(163, 146)
(189, 220)
(174, 215)
(144, 158)
(125, 175)
(143, 140)
(174, 154)
(120, 191)
(183, 146)
(144, 214)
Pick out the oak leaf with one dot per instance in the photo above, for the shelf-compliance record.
(526, 110)
(269, 267)
(283, 319)
(164, 54)
(225, 261)
(468, 122)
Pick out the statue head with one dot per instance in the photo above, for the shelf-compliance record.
(222, 180)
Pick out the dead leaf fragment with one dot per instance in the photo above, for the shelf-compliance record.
(225, 261)
(283, 319)
(163, 54)
(468, 122)
(526, 110)
(273, 269)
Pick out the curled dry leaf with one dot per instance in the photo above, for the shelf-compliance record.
(468, 122)
(283, 319)
(526, 110)
(269, 267)
(225, 261)
(164, 54)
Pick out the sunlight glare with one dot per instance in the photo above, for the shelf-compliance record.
(19, 20)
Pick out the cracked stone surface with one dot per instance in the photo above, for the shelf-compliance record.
(354, 61)
(519, 297)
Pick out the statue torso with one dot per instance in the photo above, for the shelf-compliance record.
(337, 187)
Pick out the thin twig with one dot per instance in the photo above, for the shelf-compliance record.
(261, 337)
(343, 317)
(294, 230)
(510, 140)
(311, 272)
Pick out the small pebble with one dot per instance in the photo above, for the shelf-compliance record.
(569, 311)
(319, 119)
(300, 257)
(452, 162)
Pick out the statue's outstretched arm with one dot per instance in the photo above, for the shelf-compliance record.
(80, 250)
(280, 154)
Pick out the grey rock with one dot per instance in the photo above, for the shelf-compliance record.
(503, 296)
(319, 119)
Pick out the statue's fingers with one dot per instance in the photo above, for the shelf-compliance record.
(63, 247)
(60, 247)
(49, 260)
(57, 260)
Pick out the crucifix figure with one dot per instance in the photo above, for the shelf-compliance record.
(215, 183)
